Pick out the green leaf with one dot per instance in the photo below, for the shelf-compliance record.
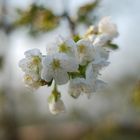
(112, 46)
(1, 62)
(85, 11)
(76, 38)
(136, 95)
(38, 18)
(80, 73)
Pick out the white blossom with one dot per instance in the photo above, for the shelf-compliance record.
(29, 82)
(80, 85)
(57, 67)
(33, 52)
(66, 46)
(32, 66)
(108, 27)
(56, 107)
(85, 51)
(93, 69)
(91, 33)
(101, 40)
(101, 53)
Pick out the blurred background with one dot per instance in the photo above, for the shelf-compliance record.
(111, 114)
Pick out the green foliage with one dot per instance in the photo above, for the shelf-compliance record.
(76, 38)
(38, 18)
(113, 46)
(80, 73)
(85, 11)
(136, 95)
(1, 62)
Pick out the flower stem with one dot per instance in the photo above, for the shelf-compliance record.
(55, 92)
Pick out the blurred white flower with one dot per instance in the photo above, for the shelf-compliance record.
(91, 33)
(33, 52)
(57, 67)
(101, 40)
(85, 51)
(92, 73)
(57, 106)
(66, 46)
(101, 53)
(29, 82)
(78, 63)
(32, 66)
(108, 27)
(93, 69)
(80, 85)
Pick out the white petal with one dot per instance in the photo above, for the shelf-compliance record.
(69, 64)
(81, 85)
(23, 64)
(57, 107)
(107, 26)
(101, 53)
(33, 52)
(70, 42)
(87, 54)
(85, 42)
(46, 61)
(91, 73)
(47, 74)
(61, 77)
(101, 40)
(74, 88)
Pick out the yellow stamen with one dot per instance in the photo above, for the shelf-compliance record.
(64, 48)
(55, 64)
(81, 48)
(36, 60)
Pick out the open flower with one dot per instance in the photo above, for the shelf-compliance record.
(108, 27)
(94, 67)
(57, 67)
(32, 66)
(66, 46)
(33, 84)
(101, 40)
(80, 85)
(92, 73)
(85, 51)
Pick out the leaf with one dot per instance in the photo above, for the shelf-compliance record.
(1, 62)
(136, 95)
(112, 46)
(84, 11)
(38, 18)
(80, 73)
(26, 17)
(76, 38)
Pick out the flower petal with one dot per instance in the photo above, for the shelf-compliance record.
(57, 107)
(69, 64)
(60, 77)
(33, 52)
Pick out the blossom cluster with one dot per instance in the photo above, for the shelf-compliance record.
(77, 63)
